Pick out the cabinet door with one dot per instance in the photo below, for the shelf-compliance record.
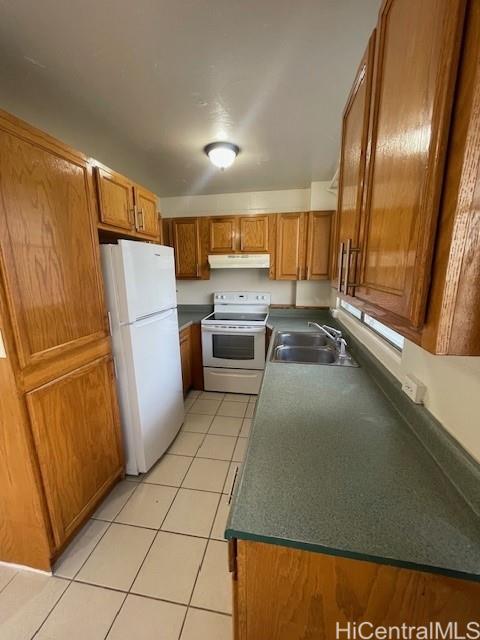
(290, 254)
(352, 160)
(186, 243)
(76, 433)
(186, 357)
(115, 199)
(49, 249)
(254, 234)
(223, 235)
(413, 92)
(167, 234)
(318, 245)
(146, 212)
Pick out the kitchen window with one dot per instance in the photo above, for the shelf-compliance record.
(391, 336)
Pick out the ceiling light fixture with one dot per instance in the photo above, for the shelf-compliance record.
(222, 154)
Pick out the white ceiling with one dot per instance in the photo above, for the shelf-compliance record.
(165, 77)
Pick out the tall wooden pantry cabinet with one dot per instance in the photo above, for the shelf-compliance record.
(60, 446)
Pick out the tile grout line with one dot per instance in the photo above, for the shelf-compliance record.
(212, 525)
(9, 581)
(113, 521)
(53, 606)
(156, 536)
(106, 530)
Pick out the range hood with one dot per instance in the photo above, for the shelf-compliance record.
(240, 261)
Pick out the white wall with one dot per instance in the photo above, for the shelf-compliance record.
(315, 198)
(229, 203)
(201, 291)
(453, 382)
(283, 292)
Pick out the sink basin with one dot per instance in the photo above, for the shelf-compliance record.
(301, 339)
(304, 354)
(308, 347)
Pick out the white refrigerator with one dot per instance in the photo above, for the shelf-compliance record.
(142, 304)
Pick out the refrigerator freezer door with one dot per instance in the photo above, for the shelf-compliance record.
(154, 385)
(145, 279)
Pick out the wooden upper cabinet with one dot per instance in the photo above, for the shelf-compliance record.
(290, 249)
(49, 246)
(318, 245)
(254, 234)
(146, 212)
(223, 234)
(352, 163)
(125, 207)
(76, 464)
(415, 70)
(186, 244)
(115, 199)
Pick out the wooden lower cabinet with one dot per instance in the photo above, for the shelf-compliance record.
(191, 357)
(186, 358)
(281, 593)
(75, 429)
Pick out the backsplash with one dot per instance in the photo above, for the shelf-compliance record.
(285, 292)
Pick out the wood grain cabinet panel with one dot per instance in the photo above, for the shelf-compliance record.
(60, 422)
(318, 245)
(76, 432)
(49, 249)
(413, 92)
(186, 358)
(146, 212)
(223, 234)
(254, 234)
(290, 250)
(186, 244)
(299, 595)
(115, 199)
(352, 160)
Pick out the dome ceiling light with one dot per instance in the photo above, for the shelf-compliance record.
(222, 154)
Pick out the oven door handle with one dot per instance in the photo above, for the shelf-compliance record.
(232, 330)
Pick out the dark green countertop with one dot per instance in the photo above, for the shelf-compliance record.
(332, 467)
(190, 314)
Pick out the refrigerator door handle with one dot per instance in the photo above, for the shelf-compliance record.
(154, 317)
(109, 318)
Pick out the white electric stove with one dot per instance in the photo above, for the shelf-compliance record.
(233, 342)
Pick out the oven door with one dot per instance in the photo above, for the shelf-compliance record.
(233, 347)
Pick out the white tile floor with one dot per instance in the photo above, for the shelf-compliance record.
(151, 564)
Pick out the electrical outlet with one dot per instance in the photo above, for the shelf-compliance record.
(414, 389)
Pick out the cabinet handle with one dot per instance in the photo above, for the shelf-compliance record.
(198, 270)
(349, 252)
(132, 216)
(142, 225)
(135, 217)
(340, 266)
(233, 486)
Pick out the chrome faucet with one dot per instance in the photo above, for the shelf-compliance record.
(335, 335)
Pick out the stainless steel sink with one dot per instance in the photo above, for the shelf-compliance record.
(301, 339)
(305, 347)
(312, 355)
